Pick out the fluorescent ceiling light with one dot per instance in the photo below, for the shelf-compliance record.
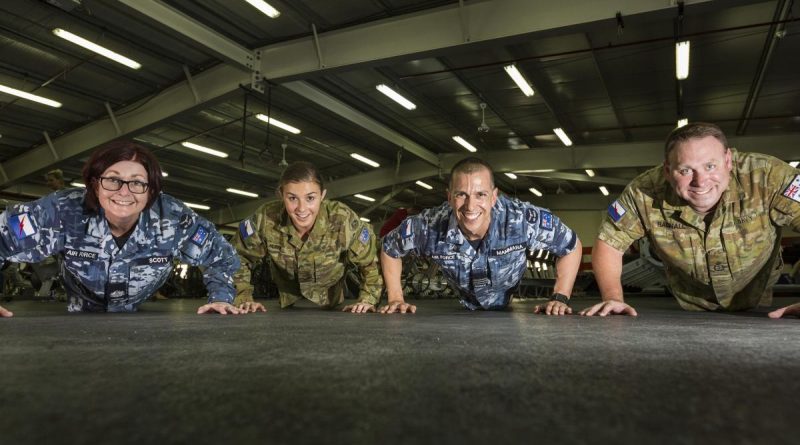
(465, 144)
(207, 150)
(164, 174)
(364, 197)
(563, 136)
(535, 191)
(424, 185)
(364, 219)
(794, 163)
(519, 80)
(91, 46)
(196, 206)
(682, 60)
(511, 175)
(242, 192)
(395, 96)
(277, 123)
(77, 184)
(590, 172)
(682, 122)
(265, 7)
(604, 190)
(365, 160)
(29, 96)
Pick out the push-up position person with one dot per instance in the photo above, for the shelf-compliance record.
(481, 242)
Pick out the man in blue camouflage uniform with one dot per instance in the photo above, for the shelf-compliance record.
(481, 243)
(105, 272)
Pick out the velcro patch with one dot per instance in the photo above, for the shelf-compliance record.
(793, 190)
(531, 216)
(185, 221)
(616, 211)
(546, 220)
(408, 230)
(246, 228)
(200, 236)
(80, 254)
(21, 225)
(364, 236)
(508, 249)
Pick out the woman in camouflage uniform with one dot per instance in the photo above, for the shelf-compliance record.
(309, 241)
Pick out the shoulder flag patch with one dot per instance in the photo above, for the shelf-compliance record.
(21, 225)
(793, 190)
(200, 236)
(546, 220)
(364, 236)
(616, 211)
(408, 230)
(246, 228)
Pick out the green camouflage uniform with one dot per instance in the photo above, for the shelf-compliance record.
(313, 269)
(733, 263)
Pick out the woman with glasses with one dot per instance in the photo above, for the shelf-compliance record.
(118, 237)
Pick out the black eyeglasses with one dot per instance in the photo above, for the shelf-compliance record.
(114, 184)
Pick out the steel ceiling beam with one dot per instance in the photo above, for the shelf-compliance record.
(577, 177)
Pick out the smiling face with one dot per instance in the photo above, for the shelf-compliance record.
(472, 196)
(302, 201)
(122, 208)
(699, 171)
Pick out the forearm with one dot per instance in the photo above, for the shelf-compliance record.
(567, 270)
(607, 266)
(392, 270)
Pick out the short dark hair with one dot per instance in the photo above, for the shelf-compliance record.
(695, 130)
(300, 171)
(470, 165)
(110, 154)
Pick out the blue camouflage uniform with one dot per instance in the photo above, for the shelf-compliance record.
(98, 275)
(485, 278)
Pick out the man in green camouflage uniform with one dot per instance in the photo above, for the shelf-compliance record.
(312, 265)
(713, 216)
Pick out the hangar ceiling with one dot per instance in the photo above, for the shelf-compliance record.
(604, 72)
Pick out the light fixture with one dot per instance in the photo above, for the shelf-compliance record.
(604, 190)
(424, 185)
(242, 192)
(395, 96)
(511, 175)
(365, 160)
(29, 96)
(535, 191)
(206, 150)
(682, 122)
(197, 206)
(164, 174)
(364, 219)
(682, 59)
(364, 197)
(519, 80)
(77, 184)
(794, 163)
(590, 172)
(265, 7)
(465, 144)
(563, 136)
(91, 46)
(277, 123)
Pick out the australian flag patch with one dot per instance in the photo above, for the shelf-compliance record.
(200, 236)
(246, 228)
(546, 220)
(364, 236)
(616, 211)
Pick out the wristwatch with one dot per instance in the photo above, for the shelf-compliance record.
(560, 298)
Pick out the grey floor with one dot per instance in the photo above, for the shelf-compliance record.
(444, 375)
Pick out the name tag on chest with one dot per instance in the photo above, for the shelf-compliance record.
(508, 249)
(80, 254)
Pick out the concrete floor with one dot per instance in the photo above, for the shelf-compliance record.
(444, 375)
